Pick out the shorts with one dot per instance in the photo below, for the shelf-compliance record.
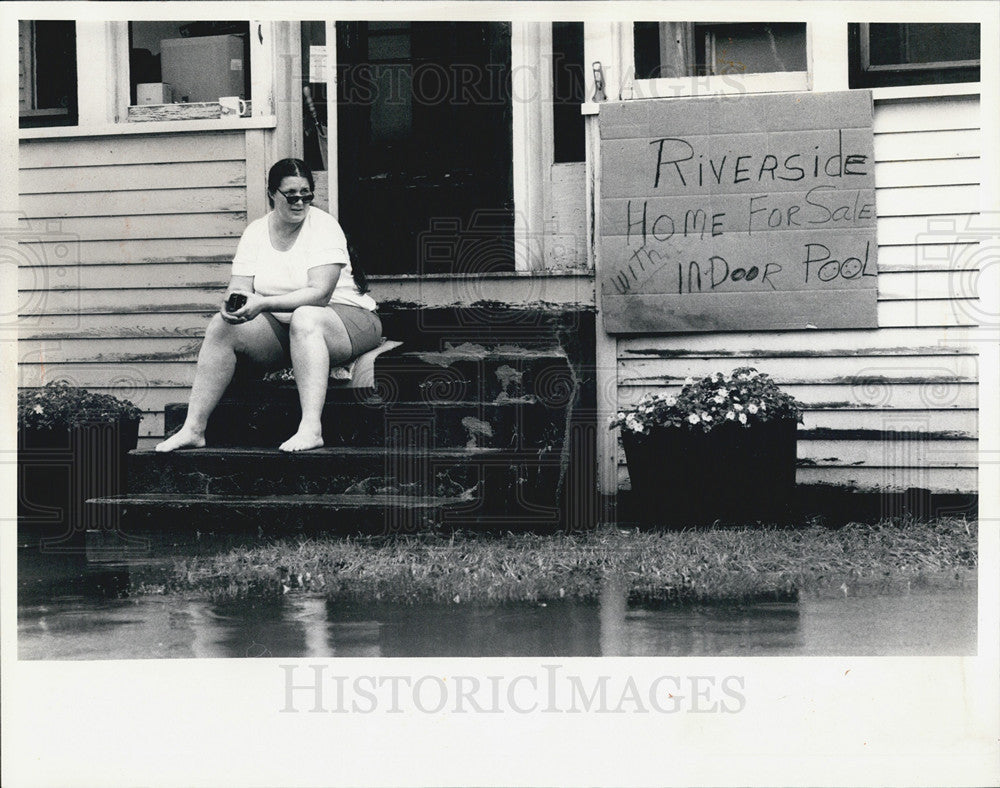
(363, 327)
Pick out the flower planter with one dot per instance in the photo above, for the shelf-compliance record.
(60, 468)
(683, 476)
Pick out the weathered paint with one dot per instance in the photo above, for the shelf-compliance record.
(915, 377)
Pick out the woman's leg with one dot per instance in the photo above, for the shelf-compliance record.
(318, 338)
(216, 364)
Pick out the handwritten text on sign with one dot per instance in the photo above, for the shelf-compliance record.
(738, 213)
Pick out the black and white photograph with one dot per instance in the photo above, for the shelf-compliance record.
(387, 371)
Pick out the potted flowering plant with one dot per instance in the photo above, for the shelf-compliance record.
(723, 448)
(71, 446)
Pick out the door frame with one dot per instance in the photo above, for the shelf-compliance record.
(531, 89)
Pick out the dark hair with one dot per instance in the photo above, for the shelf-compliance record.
(296, 168)
(360, 277)
(287, 168)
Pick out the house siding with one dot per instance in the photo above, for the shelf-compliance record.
(889, 408)
(127, 240)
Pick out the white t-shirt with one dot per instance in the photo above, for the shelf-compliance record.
(321, 241)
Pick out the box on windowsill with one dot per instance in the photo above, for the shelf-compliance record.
(153, 93)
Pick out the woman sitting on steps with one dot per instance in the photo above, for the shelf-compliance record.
(303, 302)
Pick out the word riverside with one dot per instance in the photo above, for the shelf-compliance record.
(680, 154)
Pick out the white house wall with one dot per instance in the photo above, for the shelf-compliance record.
(128, 241)
(894, 407)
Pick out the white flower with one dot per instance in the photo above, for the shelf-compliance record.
(718, 399)
(737, 406)
(743, 418)
(688, 380)
(762, 406)
(731, 415)
(693, 418)
(751, 408)
(671, 401)
(721, 393)
(39, 409)
(633, 423)
(706, 417)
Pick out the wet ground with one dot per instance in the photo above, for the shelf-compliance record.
(68, 614)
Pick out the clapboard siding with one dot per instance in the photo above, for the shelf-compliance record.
(893, 407)
(893, 285)
(128, 204)
(128, 242)
(155, 149)
(927, 257)
(121, 325)
(877, 479)
(126, 299)
(917, 145)
(102, 277)
(926, 200)
(932, 172)
(864, 393)
(36, 370)
(185, 249)
(927, 114)
(127, 177)
(190, 226)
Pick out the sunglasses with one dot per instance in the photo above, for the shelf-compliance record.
(294, 198)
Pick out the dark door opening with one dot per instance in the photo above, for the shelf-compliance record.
(424, 141)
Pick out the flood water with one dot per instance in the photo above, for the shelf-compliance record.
(74, 624)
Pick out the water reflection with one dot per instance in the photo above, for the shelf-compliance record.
(77, 627)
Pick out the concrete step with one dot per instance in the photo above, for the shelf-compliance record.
(132, 516)
(508, 481)
(492, 319)
(466, 372)
(475, 372)
(515, 425)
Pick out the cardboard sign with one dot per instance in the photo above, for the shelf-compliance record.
(738, 213)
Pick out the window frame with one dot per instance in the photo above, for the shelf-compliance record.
(918, 77)
(864, 44)
(62, 117)
(259, 82)
(103, 86)
(711, 84)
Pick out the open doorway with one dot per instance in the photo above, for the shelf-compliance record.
(424, 141)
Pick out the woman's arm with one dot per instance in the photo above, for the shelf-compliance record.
(321, 280)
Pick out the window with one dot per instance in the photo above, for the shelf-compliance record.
(884, 55)
(698, 49)
(188, 62)
(47, 82)
(568, 87)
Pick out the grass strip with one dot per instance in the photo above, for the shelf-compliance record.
(710, 565)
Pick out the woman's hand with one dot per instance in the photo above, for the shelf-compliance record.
(254, 306)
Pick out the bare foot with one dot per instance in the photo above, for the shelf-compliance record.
(303, 440)
(184, 438)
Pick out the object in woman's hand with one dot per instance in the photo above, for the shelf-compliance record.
(235, 301)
